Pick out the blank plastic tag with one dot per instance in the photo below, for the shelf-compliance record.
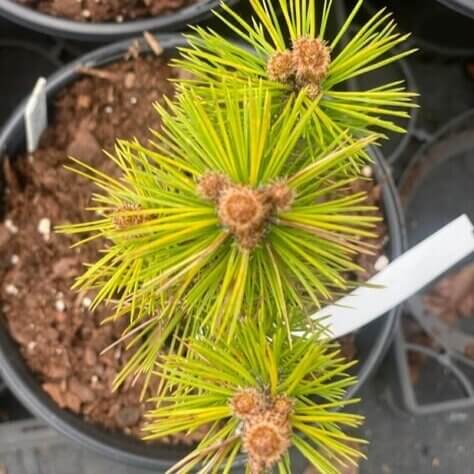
(403, 278)
(36, 115)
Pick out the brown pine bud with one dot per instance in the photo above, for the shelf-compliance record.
(282, 407)
(212, 185)
(248, 402)
(311, 58)
(124, 216)
(242, 209)
(280, 66)
(282, 196)
(265, 441)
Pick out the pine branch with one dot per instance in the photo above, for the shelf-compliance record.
(295, 53)
(231, 212)
(262, 395)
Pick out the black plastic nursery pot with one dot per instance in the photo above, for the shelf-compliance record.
(436, 188)
(106, 32)
(441, 26)
(372, 341)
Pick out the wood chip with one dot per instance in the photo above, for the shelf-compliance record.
(153, 43)
(100, 73)
(133, 51)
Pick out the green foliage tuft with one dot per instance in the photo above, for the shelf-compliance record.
(311, 373)
(213, 60)
(173, 268)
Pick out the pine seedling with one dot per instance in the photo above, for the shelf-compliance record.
(233, 211)
(236, 222)
(296, 52)
(259, 396)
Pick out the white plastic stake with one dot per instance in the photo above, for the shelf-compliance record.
(36, 115)
(400, 280)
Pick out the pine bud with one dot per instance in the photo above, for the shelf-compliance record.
(265, 441)
(212, 185)
(311, 58)
(280, 66)
(248, 402)
(124, 216)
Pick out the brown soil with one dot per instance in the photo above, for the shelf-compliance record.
(60, 338)
(367, 262)
(470, 70)
(105, 10)
(451, 300)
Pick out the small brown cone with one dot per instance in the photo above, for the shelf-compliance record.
(282, 408)
(248, 402)
(311, 58)
(265, 441)
(282, 196)
(212, 185)
(123, 217)
(280, 66)
(245, 212)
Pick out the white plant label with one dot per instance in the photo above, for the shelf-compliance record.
(400, 280)
(36, 115)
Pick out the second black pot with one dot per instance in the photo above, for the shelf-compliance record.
(107, 32)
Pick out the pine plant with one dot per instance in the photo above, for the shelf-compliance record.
(238, 220)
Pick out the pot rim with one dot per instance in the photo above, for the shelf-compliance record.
(124, 449)
(465, 7)
(395, 221)
(103, 32)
